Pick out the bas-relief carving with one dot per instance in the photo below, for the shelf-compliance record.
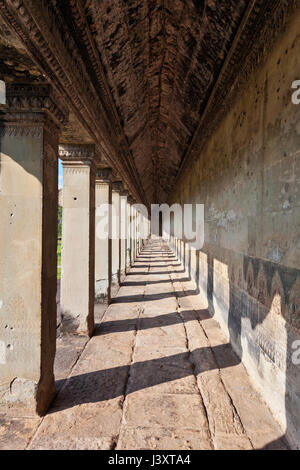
(69, 153)
(20, 131)
(103, 175)
(77, 168)
(31, 111)
(23, 99)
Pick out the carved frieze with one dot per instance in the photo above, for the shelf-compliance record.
(76, 153)
(124, 193)
(32, 103)
(103, 175)
(117, 186)
(130, 200)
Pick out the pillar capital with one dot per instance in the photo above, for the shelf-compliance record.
(32, 104)
(131, 200)
(77, 153)
(103, 175)
(124, 193)
(117, 186)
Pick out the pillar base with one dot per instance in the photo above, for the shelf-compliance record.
(102, 291)
(27, 398)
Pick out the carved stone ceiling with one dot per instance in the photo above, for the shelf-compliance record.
(161, 59)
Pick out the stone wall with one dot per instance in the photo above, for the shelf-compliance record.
(247, 174)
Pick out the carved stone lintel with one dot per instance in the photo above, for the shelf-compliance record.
(117, 186)
(28, 104)
(103, 175)
(76, 153)
(15, 129)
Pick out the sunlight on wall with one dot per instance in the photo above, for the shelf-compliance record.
(221, 293)
(60, 175)
(2, 92)
(203, 278)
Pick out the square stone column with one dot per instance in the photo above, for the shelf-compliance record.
(29, 129)
(78, 239)
(128, 234)
(103, 243)
(134, 231)
(145, 229)
(149, 227)
(138, 238)
(116, 239)
(131, 229)
(123, 231)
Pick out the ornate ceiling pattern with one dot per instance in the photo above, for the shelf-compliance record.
(161, 58)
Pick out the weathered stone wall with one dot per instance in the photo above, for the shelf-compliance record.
(248, 176)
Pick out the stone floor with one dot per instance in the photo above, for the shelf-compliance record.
(158, 374)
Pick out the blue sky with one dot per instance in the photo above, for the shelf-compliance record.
(60, 174)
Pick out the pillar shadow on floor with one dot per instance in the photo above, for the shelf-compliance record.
(102, 385)
(156, 273)
(141, 283)
(155, 266)
(118, 326)
(151, 297)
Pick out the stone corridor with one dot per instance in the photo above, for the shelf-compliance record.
(157, 374)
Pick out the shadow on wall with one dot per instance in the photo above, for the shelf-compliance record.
(259, 309)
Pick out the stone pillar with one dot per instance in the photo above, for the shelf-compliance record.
(145, 233)
(149, 228)
(172, 226)
(116, 240)
(78, 239)
(128, 235)
(132, 231)
(29, 130)
(103, 245)
(135, 213)
(137, 231)
(123, 231)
